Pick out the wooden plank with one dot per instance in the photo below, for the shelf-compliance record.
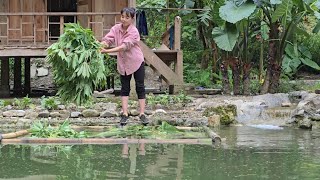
(27, 28)
(153, 60)
(40, 21)
(98, 6)
(3, 20)
(83, 6)
(14, 21)
(4, 88)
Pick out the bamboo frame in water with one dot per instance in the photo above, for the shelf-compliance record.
(207, 141)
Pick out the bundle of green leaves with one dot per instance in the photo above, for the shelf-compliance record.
(78, 64)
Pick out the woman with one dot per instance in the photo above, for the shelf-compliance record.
(130, 60)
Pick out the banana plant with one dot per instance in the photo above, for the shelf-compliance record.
(282, 17)
(234, 36)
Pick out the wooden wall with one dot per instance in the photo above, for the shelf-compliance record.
(3, 27)
(35, 28)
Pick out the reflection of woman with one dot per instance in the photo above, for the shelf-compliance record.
(130, 60)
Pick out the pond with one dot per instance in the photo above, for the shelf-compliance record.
(245, 153)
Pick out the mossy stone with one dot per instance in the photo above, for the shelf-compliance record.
(227, 113)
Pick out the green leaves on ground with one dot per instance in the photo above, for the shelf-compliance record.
(44, 130)
(77, 64)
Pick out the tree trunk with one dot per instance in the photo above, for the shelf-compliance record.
(272, 66)
(225, 78)
(235, 66)
(246, 79)
(275, 78)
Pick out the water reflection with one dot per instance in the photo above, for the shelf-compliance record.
(246, 153)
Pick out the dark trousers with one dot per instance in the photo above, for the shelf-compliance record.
(139, 78)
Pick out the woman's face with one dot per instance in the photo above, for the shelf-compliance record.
(126, 20)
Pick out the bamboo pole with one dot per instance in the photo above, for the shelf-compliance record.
(14, 134)
(103, 141)
(216, 139)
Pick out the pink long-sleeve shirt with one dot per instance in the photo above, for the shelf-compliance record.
(131, 58)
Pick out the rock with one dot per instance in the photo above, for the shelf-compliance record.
(160, 111)
(30, 114)
(297, 96)
(33, 71)
(75, 114)
(72, 106)
(315, 125)
(287, 104)
(9, 107)
(214, 121)
(90, 113)
(105, 106)
(61, 107)
(81, 108)
(315, 117)
(54, 114)
(14, 113)
(133, 112)
(305, 123)
(44, 114)
(227, 113)
(108, 113)
(148, 112)
(272, 100)
(42, 72)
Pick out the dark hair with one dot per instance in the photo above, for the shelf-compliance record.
(129, 11)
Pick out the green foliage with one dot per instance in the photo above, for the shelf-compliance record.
(49, 103)
(1, 103)
(226, 38)
(232, 12)
(77, 64)
(42, 129)
(22, 103)
(313, 45)
(166, 99)
(286, 85)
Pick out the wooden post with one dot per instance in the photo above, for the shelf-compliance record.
(5, 88)
(61, 24)
(179, 66)
(17, 88)
(27, 76)
(177, 33)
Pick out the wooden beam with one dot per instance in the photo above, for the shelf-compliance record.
(4, 88)
(17, 87)
(27, 76)
(177, 33)
(153, 60)
(23, 52)
(178, 67)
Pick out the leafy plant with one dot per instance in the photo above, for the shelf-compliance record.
(49, 103)
(42, 129)
(166, 99)
(1, 103)
(22, 103)
(77, 64)
(294, 57)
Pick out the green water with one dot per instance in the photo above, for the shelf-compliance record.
(246, 153)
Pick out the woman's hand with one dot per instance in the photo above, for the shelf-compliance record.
(104, 44)
(104, 50)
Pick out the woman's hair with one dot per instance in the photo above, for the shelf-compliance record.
(131, 12)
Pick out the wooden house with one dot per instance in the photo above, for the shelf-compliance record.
(28, 27)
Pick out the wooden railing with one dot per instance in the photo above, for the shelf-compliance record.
(21, 29)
